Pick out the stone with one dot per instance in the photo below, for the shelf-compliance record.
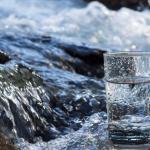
(31, 108)
(5, 143)
(4, 58)
(133, 4)
(80, 58)
(92, 136)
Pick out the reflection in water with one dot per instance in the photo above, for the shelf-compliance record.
(129, 147)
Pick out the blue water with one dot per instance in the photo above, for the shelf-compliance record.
(76, 21)
(71, 21)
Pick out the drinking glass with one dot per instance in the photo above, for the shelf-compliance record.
(127, 76)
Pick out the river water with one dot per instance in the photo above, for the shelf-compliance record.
(77, 21)
(23, 24)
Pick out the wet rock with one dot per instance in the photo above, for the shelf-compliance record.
(76, 92)
(33, 106)
(4, 58)
(92, 136)
(5, 143)
(89, 103)
(133, 4)
(23, 97)
(89, 55)
(74, 57)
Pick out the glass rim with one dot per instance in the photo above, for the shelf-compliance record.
(127, 53)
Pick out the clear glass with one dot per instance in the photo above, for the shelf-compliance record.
(127, 76)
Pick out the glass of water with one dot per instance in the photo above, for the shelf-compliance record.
(127, 76)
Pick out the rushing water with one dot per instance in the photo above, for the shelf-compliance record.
(24, 26)
(125, 29)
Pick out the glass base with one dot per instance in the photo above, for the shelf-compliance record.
(129, 137)
(131, 147)
(130, 142)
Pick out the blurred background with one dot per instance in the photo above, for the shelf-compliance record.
(79, 21)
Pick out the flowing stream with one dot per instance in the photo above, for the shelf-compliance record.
(49, 93)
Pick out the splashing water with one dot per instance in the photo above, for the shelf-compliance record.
(63, 19)
(89, 137)
(125, 29)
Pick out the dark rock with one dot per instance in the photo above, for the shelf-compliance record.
(89, 55)
(42, 90)
(32, 107)
(117, 4)
(73, 57)
(5, 143)
(25, 118)
(4, 58)
(59, 83)
(92, 136)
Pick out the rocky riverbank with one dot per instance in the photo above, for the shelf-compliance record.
(51, 71)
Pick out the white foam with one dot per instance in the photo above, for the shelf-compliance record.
(93, 24)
